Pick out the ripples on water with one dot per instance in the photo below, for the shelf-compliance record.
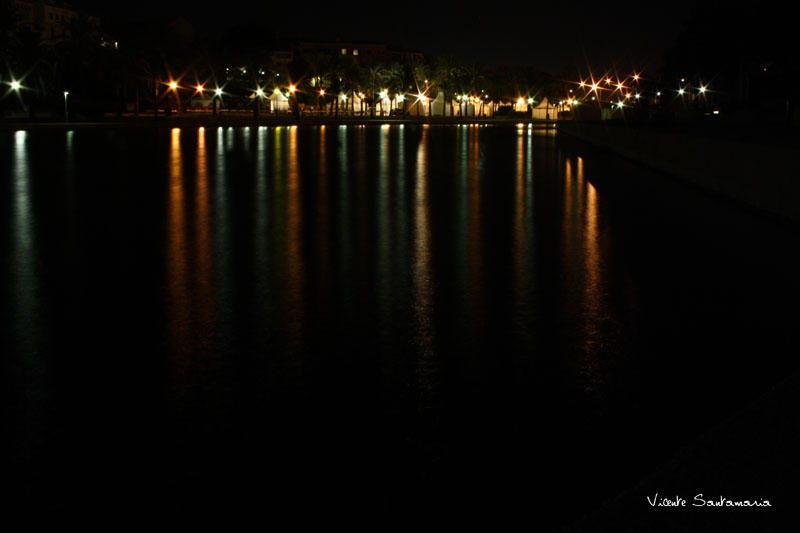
(368, 321)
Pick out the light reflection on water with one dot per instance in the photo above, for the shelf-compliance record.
(27, 360)
(422, 279)
(449, 295)
(295, 259)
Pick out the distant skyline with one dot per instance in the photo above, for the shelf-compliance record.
(551, 38)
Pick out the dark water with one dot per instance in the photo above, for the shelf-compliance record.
(367, 323)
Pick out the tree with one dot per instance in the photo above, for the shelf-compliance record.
(376, 74)
(446, 75)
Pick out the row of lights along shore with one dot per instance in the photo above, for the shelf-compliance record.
(591, 89)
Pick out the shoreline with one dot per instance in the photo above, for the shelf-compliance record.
(242, 119)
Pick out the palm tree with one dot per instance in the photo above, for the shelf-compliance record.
(473, 79)
(421, 73)
(316, 77)
(351, 78)
(401, 80)
(376, 74)
(447, 74)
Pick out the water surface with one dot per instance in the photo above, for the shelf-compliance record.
(368, 322)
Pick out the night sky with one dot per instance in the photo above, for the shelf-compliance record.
(553, 36)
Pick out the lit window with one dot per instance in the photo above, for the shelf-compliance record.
(355, 52)
(344, 51)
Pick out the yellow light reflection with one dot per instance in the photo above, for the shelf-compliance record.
(323, 212)
(422, 280)
(593, 293)
(475, 237)
(295, 265)
(519, 218)
(384, 203)
(178, 293)
(204, 303)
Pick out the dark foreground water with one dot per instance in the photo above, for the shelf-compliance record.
(367, 323)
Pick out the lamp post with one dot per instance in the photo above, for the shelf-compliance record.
(217, 94)
(200, 90)
(17, 88)
(257, 102)
(66, 110)
(174, 86)
(293, 102)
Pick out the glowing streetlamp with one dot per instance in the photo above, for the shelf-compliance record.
(66, 111)
(293, 104)
(174, 86)
(258, 98)
(15, 85)
(217, 94)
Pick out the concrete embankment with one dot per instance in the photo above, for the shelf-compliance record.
(763, 175)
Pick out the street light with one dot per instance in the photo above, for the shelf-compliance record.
(292, 102)
(257, 101)
(217, 94)
(174, 86)
(66, 111)
(15, 85)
